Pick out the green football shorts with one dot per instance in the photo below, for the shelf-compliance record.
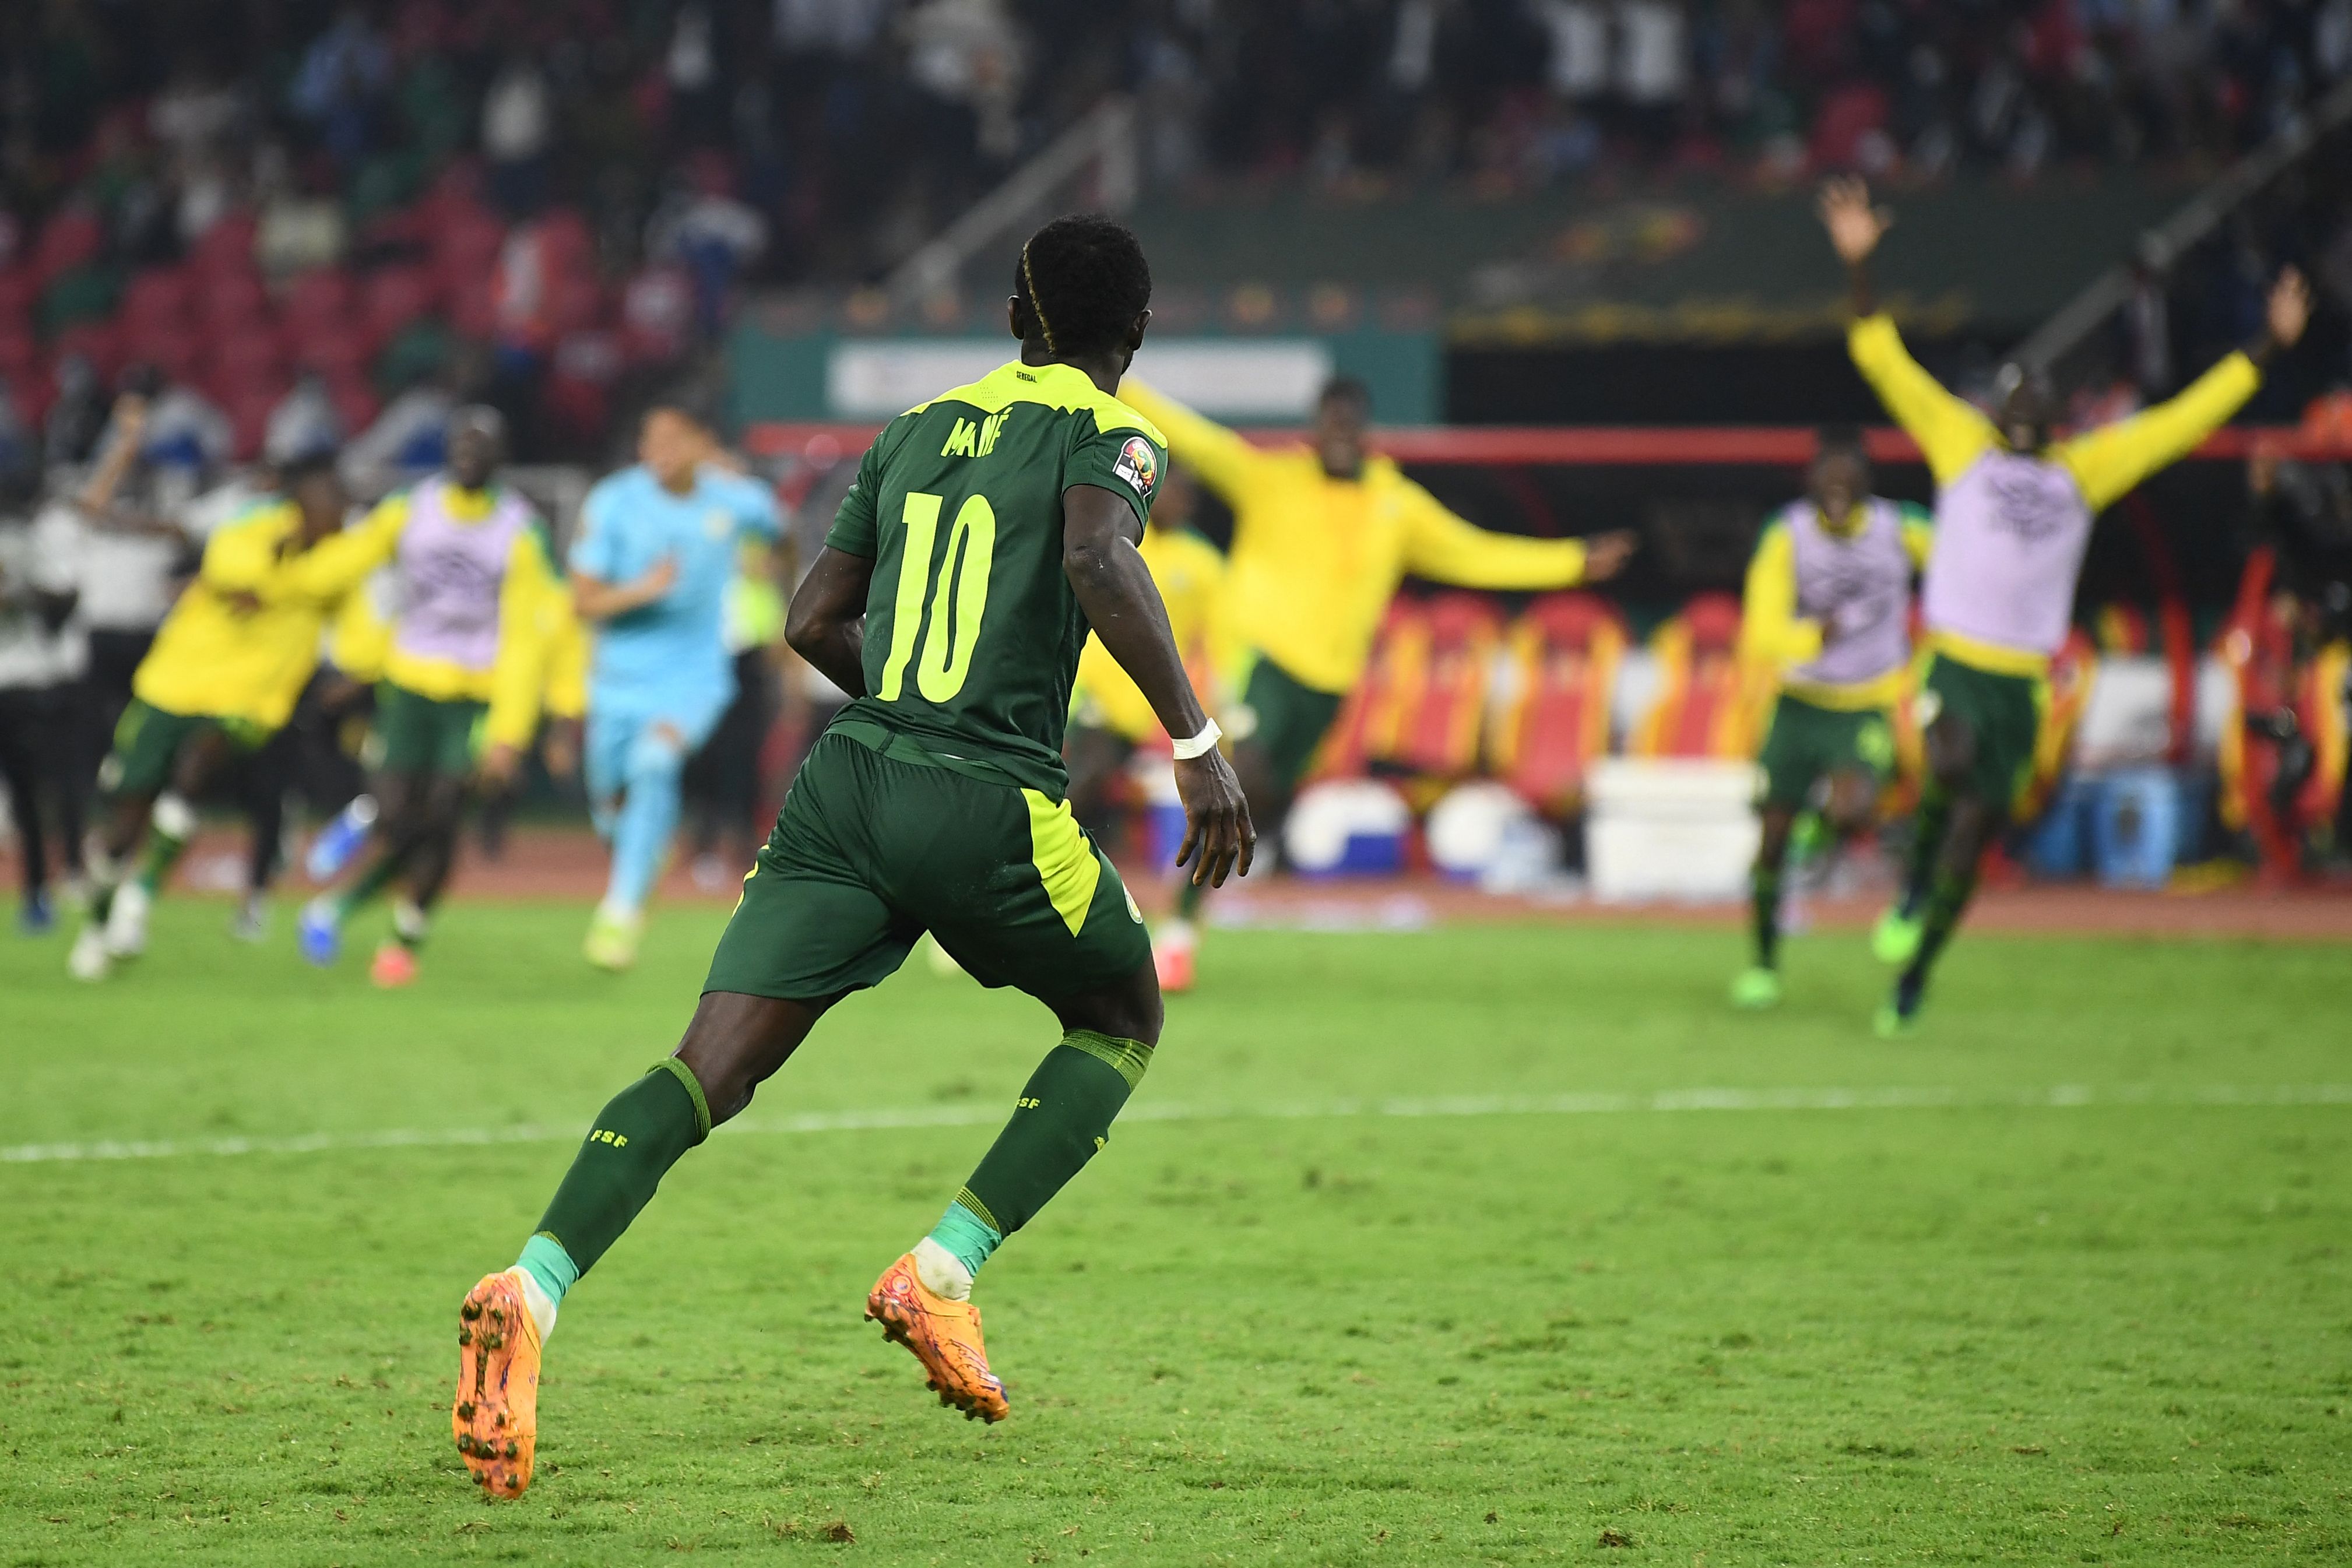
(2004, 716)
(1808, 742)
(148, 741)
(871, 850)
(422, 734)
(1287, 719)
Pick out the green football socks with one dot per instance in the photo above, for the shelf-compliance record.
(1928, 824)
(968, 1238)
(169, 827)
(1764, 890)
(544, 1259)
(1064, 1116)
(371, 881)
(636, 1139)
(1189, 894)
(1948, 898)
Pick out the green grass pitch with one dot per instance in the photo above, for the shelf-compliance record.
(1415, 1249)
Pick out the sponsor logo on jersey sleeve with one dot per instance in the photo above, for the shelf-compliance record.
(1139, 465)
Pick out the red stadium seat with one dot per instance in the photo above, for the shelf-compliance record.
(394, 297)
(70, 238)
(231, 298)
(100, 343)
(1373, 715)
(1564, 653)
(321, 300)
(249, 416)
(251, 356)
(226, 247)
(158, 297)
(17, 292)
(355, 402)
(1710, 703)
(1439, 733)
(178, 351)
(342, 353)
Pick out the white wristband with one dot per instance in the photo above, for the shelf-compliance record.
(1200, 744)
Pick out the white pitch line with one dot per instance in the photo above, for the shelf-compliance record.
(2056, 1097)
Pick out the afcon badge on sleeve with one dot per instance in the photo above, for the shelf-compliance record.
(1139, 465)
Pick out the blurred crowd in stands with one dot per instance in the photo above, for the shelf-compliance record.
(308, 222)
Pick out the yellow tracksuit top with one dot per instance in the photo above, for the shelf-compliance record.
(1190, 575)
(212, 656)
(534, 607)
(2105, 463)
(1315, 559)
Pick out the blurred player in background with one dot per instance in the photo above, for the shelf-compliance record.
(227, 667)
(1827, 609)
(1323, 532)
(988, 531)
(2013, 512)
(650, 570)
(473, 587)
(1110, 715)
(43, 653)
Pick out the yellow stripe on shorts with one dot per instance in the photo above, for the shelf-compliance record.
(1066, 861)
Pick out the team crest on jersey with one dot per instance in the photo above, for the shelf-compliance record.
(1139, 465)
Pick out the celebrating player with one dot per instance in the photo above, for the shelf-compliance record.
(472, 592)
(1110, 717)
(988, 530)
(1322, 534)
(229, 664)
(657, 546)
(1827, 605)
(2013, 512)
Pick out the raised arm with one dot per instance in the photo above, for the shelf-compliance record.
(1951, 433)
(1225, 462)
(826, 622)
(2109, 461)
(1114, 587)
(1448, 548)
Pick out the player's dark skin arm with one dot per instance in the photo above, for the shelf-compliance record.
(1115, 588)
(826, 622)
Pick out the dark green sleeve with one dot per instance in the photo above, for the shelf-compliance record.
(856, 527)
(1122, 460)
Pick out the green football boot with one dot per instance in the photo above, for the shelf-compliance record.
(1896, 937)
(1756, 989)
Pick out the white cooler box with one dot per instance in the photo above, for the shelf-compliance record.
(1670, 829)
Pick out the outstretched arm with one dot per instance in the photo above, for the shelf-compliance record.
(826, 623)
(2109, 462)
(1226, 463)
(1114, 587)
(1951, 433)
(1448, 548)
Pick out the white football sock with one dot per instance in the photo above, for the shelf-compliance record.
(941, 1271)
(537, 1302)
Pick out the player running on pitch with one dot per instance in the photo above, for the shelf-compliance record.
(228, 665)
(473, 593)
(988, 531)
(2013, 512)
(1827, 607)
(1109, 716)
(657, 547)
(1322, 534)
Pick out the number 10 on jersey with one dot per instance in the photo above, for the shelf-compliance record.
(959, 598)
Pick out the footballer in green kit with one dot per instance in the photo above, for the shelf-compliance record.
(988, 532)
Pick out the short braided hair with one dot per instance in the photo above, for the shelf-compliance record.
(1084, 281)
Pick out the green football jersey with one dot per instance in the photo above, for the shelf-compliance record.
(972, 634)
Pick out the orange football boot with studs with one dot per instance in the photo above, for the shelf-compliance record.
(944, 1336)
(496, 1414)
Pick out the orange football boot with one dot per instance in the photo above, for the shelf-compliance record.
(393, 966)
(944, 1336)
(496, 1414)
(1172, 961)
